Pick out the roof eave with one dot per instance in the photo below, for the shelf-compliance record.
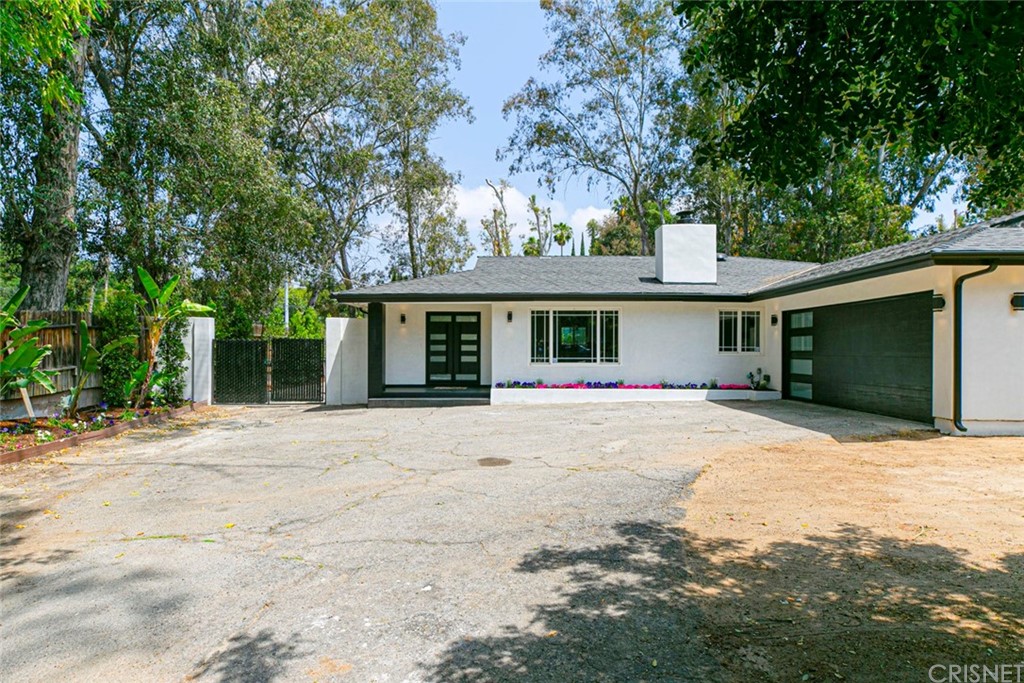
(368, 297)
(903, 265)
(906, 264)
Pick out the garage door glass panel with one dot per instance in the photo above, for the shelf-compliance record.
(801, 343)
(801, 390)
(801, 366)
(802, 320)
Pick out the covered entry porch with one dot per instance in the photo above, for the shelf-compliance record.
(428, 354)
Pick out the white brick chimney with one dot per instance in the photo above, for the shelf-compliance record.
(686, 253)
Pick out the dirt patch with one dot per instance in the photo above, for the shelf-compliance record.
(864, 560)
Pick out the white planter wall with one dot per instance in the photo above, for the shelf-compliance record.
(544, 396)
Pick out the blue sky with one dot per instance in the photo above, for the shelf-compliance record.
(504, 40)
(503, 43)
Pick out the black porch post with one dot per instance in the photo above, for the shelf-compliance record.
(375, 350)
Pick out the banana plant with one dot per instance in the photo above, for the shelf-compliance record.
(138, 376)
(157, 311)
(20, 351)
(91, 358)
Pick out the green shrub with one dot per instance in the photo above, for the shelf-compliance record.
(118, 318)
(170, 358)
(305, 322)
(232, 320)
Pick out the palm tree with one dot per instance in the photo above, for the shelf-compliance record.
(561, 235)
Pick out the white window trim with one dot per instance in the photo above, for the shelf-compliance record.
(550, 313)
(739, 332)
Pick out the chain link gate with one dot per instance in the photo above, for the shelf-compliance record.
(239, 371)
(297, 370)
(258, 371)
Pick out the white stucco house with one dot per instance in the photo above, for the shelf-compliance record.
(931, 330)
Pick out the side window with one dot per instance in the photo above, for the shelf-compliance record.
(539, 336)
(609, 336)
(739, 331)
(574, 336)
(727, 326)
(750, 330)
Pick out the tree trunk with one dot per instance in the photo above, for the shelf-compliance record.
(638, 212)
(414, 264)
(49, 243)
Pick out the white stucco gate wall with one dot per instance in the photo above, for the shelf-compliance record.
(345, 371)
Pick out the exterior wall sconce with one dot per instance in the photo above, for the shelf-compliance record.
(509, 316)
(401, 318)
(775, 320)
(1017, 301)
(938, 303)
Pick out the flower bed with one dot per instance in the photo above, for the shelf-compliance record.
(620, 385)
(615, 392)
(22, 433)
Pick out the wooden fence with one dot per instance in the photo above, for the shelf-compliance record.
(65, 357)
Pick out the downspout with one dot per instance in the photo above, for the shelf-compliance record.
(958, 343)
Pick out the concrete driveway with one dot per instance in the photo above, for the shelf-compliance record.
(454, 544)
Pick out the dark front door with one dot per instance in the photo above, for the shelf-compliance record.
(453, 349)
(874, 356)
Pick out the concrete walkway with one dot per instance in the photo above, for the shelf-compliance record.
(289, 543)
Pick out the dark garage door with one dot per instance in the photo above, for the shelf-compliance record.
(874, 356)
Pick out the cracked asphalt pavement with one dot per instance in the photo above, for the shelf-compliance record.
(297, 543)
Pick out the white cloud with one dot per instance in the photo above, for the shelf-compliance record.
(474, 203)
(580, 217)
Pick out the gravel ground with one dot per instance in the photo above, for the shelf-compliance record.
(455, 544)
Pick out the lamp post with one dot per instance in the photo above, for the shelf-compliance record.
(287, 329)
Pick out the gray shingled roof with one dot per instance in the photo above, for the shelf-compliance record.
(568, 277)
(626, 277)
(1001, 236)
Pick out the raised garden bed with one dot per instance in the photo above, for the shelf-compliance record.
(23, 438)
(611, 392)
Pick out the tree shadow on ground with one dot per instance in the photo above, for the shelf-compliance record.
(259, 658)
(659, 604)
(59, 605)
(15, 559)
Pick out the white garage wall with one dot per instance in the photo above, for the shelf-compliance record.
(675, 342)
(993, 385)
(405, 359)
